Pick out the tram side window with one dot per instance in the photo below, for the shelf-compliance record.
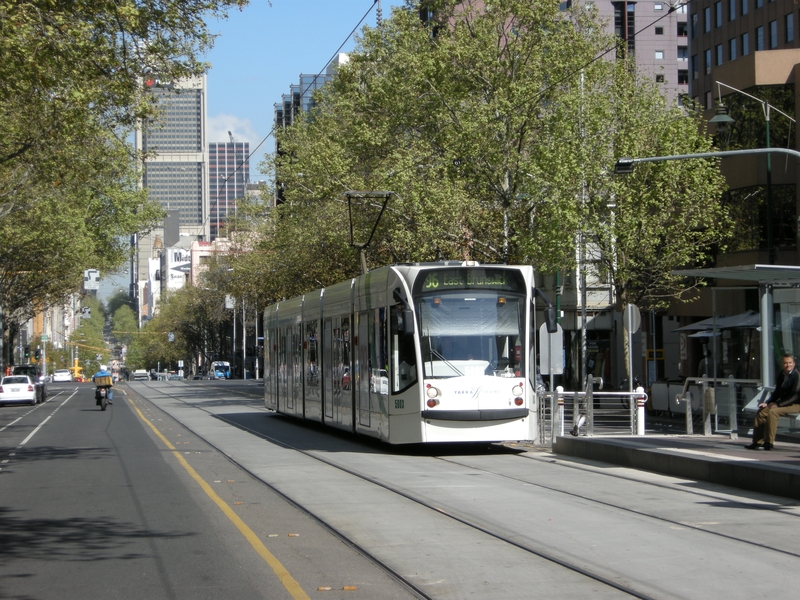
(403, 353)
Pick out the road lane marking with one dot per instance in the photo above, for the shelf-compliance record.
(283, 575)
(10, 424)
(38, 427)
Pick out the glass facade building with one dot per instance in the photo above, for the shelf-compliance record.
(228, 175)
(175, 175)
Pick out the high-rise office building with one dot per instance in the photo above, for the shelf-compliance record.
(655, 35)
(228, 175)
(175, 173)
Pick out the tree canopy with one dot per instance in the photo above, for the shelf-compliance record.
(496, 126)
(70, 93)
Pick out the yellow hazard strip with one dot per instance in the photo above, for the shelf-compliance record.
(283, 575)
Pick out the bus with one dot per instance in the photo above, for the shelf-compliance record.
(220, 369)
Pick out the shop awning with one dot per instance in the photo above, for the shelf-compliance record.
(746, 320)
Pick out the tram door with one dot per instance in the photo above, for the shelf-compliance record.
(327, 370)
(283, 388)
(289, 398)
(362, 369)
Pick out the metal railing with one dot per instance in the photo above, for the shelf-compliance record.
(723, 404)
(591, 412)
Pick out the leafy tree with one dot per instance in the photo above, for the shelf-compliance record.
(196, 319)
(666, 215)
(497, 128)
(117, 300)
(88, 340)
(123, 325)
(70, 92)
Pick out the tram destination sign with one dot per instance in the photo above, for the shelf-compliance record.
(440, 280)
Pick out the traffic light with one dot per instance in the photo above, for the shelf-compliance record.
(37, 354)
(27, 352)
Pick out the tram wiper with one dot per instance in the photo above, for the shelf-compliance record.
(444, 360)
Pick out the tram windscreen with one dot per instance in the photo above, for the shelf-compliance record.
(472, 333)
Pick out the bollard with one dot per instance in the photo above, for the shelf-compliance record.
(732, 417)
(558, 415)
(641, 401)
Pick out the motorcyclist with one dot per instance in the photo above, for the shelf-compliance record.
(103, 372)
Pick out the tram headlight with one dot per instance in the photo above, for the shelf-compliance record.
(517, 390)
(432, 392)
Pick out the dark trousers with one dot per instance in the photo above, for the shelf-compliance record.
(767, 422)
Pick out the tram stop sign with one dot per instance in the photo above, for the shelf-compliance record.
(551, 345)
(632, 318)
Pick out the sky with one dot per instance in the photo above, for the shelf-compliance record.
(259, 52)
(262, 50)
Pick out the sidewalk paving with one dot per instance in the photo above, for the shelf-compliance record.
(715, 459)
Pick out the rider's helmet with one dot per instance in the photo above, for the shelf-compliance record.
(103, 368)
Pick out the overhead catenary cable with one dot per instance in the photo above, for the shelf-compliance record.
(272, 131)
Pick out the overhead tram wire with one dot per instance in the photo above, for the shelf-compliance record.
(272, 131)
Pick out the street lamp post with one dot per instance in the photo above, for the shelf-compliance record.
(722, 119)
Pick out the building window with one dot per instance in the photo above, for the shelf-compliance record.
(659, 78)
(682, 27)
(759, 38)
(789, 27)
(707, 19)
(744, 7)
(695, 69)
(731, 10)
(732, 49)
(683, 52)
(683, 77)
(709, 100)
(708, 61)
(759, 3)
(659, 31)
(745, 44)
(658, 6)
(773, 35)
(659, 55)
(718, 14)
(719, 54)
(694, 25)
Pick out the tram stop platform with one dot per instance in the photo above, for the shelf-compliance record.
(720, 459)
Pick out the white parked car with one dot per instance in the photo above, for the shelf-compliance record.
(17, 389)
(62, 375)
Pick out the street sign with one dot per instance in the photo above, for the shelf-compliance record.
(91, 279)
(551, 345)
(45, 337)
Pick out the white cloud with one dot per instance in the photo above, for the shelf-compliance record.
(217, 129)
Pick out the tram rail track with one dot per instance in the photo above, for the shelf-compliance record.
(463, 519)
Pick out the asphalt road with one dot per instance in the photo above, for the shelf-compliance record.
(129, 504)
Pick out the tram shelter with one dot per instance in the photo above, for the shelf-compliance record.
(778, 315)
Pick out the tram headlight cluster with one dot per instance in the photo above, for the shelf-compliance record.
(433, 395)
(517, 392)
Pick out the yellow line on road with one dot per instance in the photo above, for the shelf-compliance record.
(283, 575)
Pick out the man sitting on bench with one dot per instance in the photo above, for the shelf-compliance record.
(785, 400)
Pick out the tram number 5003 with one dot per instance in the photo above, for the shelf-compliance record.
(399, 403)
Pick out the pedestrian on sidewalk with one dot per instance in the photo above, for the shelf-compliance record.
(784, 400)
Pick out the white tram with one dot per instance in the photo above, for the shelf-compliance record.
(418, 353)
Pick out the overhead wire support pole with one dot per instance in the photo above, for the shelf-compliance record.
(362, 248)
